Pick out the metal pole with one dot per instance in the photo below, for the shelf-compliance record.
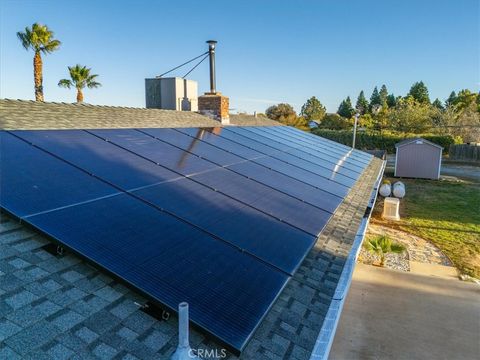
(211, 52)
(355, 130)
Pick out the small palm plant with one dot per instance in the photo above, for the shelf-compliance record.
(41, 40)
(382, 245)
(80, 78)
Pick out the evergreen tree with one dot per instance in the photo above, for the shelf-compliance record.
(346, 109)
(391, 101)
(375, 100)
(362, 104)
(451, 99)
(419, 92)
(313, 109)
(438, 104)
(383, 95)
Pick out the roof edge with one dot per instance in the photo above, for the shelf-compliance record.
(323, 344)
(409, 141)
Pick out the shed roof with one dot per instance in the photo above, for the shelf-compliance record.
(412, 140)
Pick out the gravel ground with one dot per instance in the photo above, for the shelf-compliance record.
(418, 249)
(392, 261)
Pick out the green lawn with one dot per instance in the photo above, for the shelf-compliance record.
(446, 213)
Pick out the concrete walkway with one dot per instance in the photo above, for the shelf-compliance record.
(391, 314)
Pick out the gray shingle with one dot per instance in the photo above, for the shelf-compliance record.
(21, 114)
(104, 351)
(66, 320)
(86, 335)
(20, 299)
(7, 329)
(60, 352)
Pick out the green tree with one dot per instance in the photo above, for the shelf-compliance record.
(313, 109)
(279, 111)
(419, 92)
(438, 104)
(464, 99)
(40, 39)
(382, 245)
(334, 122)
(285, 114)
(391, 101)
(451, 99)
(362, 104)
(80, 78)
(383, 95)
(346, 109)
(411, 116)
(375, 100)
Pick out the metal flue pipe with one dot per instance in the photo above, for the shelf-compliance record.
(211, 53)
(183, 351)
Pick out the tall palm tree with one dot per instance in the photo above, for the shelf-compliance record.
(80, 78)
(40, 39)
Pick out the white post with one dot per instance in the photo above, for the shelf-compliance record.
(355, 130)
(183, 351)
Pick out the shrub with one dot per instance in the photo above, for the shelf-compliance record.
(382, 245)
(384, 141)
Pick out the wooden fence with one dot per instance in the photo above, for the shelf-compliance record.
(465, 152)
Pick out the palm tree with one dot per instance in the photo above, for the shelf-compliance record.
(383, 245)
(80, 78)
(40, 39)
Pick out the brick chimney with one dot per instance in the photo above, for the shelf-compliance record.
(213, 103)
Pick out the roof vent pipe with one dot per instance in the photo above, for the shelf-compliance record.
(183, 351)
(211, 54)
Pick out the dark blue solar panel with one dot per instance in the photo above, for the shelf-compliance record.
(164, 154)
(334, 162)
(317, 142)
(33, 181)
(210, 136)
(195, 146)
(290, 209)
(228, 291)
(254, 232)
(216, 217)
(335, 156)
(99, 157)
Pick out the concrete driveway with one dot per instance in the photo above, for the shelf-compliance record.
(390, 314)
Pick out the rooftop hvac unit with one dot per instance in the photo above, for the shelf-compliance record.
(171, 94)
(391, 208)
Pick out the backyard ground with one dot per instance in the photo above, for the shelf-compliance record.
(446, 213)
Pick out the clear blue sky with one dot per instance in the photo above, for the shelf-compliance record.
(268, 51)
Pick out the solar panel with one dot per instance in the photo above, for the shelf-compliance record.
(32, 181)
(228, 291)
(218, 217)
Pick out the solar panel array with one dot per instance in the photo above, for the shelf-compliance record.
(220, 218)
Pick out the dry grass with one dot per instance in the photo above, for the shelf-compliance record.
(445, 212)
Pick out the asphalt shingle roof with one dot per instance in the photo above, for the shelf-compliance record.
(62, 307)
(24, 114)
